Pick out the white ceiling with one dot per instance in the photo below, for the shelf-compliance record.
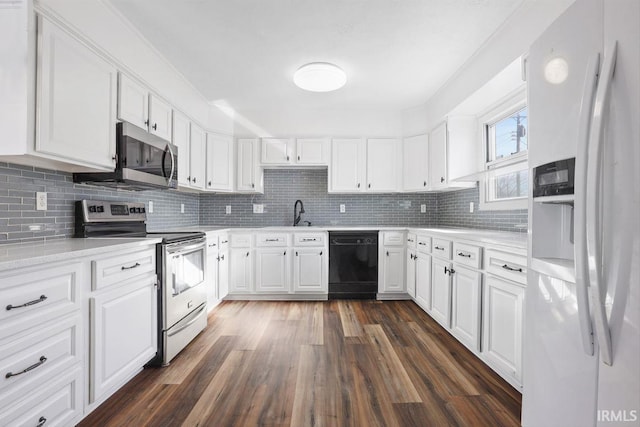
(396, 53)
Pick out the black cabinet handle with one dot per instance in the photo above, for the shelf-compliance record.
(225, 241)
(209, 184)
(298, 158)
(247, 254)
(441, 179)
(449, 271)
(27, 369)
(155, 126)
(320, 253)
(462, 254)
(424, 184)
(212, 245)
(287, 158)
(253, 185)
(369, 185)
(41, 421)
(285, 252)
(506, 267)
(438, 248)
(189, 178)
(387, 253)
(137, 264)
(297, 253)
(222, 257)
(27, 304)
(411, 255)
(194, 179)
(422, 243)
(146, 122)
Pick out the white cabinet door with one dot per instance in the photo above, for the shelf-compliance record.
(219, 162)
(133, 102)
(240, 271)
(415, 164)
(382, 165)
(347, 168)
(249, 173)
(438, 157)
(276, 151)
(223, 274)
(212, 277)
(502, 326)
(311, 151)
(181, 135)
(465, 306)
(76, 93)
(411, 272)
(393, 267)
(464, 145)
(423, 280)
(160, 122)
(272, 270)
(123, 334)
(197, 157)
(441, 292)
(310, 270)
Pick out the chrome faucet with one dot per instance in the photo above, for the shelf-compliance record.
(297, 216)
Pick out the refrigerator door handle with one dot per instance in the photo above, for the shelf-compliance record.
(580, 246)
(593, 212)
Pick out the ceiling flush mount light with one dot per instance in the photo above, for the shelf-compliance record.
(556, 71)
(320, 77)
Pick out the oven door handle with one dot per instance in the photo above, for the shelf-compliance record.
(184, 248)
(194, 317)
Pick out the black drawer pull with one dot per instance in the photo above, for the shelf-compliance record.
(224, 241)
(212, 245)
(27, 304)
(506, 267)
(272, 240)
(320, 253)
(41, 422)
(27, 369)
(464, 255)
(137, 264)
(422, 243)
(438, 248)
(247, 253)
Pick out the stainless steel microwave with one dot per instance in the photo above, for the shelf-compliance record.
(143, 162)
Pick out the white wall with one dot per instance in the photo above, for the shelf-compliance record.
(511, 40)
(103, 26)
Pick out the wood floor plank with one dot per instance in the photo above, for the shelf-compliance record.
(397, 380)
(311, 385)
(351, 326)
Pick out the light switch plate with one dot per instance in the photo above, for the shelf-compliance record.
(343, 208)
(258, 208)
(423, 208)
(181, 207)
(471, 207)
(228, 210)
(41, 201)
(150, 206)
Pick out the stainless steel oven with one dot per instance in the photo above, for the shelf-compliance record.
(184, 296)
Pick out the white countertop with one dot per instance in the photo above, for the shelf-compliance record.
(27, 254)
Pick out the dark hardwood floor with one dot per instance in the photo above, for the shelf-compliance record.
(335, 363)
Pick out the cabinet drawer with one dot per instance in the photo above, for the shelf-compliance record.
(411, 240)
(223, 241)
(122, 267)
(272, 239)
(58, 403)
(212, 243)
(508, 265)
(309, 239)
(467, 254)
(240, 240)
(32, 358)
(424, 244)
(393, 238)
(441, 248)
(39, 295)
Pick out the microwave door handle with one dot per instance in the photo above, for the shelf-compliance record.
(580, 182)
(173, 165)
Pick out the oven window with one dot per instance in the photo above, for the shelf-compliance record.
(188, 270)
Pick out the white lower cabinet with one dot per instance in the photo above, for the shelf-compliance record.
(441, 292)
(272, 270)
(213, 259)
(223, 274)
(123, 334)
(393, 267)
(310, 270)
(465, 306)
(502, 326)
(240, 271)
(411, 272)
(423, 280)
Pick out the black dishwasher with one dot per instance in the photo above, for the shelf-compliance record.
(353, 264)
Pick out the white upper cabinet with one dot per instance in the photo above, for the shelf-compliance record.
(415, 165)
(76, 92)
(382, 165)
(197, 157)
(311, 151)
(138, 106)
(454, 148)
(276, 151)
(347, 169)
(219, 163)
(181, 131)
(249, 173)
(438, 157)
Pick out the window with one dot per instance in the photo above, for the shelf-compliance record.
(506, 182)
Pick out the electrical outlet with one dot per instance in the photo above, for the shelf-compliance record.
(228, 210)
(258, 208)
(343, 208)
(41, 201)
(471, 207)
(181, 207)
(423, 208)
(150, 206)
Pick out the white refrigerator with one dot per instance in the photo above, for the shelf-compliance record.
(581, 363)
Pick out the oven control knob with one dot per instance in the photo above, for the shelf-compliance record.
(132, 210)
(143, 210)
(138, 210)
(92, 208)
(99, 209)
(367, 241)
